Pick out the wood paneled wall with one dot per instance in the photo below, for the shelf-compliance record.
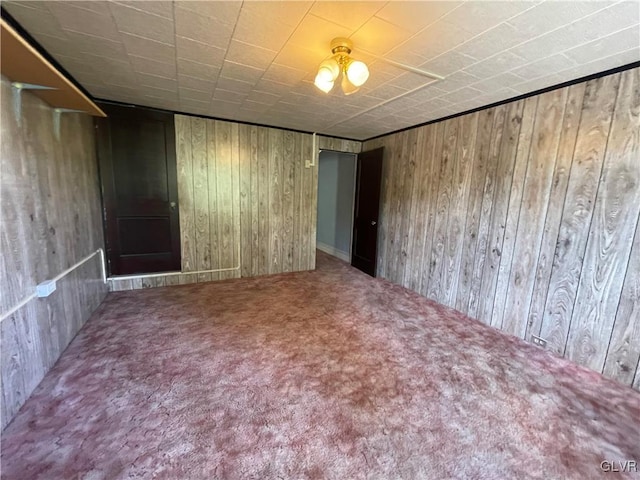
(246, 199)
(525, 216)
(49, 220)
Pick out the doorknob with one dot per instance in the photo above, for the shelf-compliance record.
(373, 222)
(172, 205)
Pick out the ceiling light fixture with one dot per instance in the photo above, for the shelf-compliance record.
(354, 72)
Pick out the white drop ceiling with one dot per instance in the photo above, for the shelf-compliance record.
(255, 61)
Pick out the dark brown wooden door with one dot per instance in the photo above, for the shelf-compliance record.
(137, 157)
(367, 207)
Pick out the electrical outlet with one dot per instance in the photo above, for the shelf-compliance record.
(541, 342)
(46, 288)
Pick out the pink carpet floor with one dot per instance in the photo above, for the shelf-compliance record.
(315, 375)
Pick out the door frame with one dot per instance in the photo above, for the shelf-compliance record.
(353, 193)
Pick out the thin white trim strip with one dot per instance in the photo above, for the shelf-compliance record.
(26, 300)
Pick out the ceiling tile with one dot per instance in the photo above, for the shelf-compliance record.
(188, 49)
(548, 16)
(152, 67)
(80, 42)
(541, 67)
(80, 20)
(195, 83)
(142, 24)
(437, 39)
(500, 63)
(485, 15)
(379, 36)
(315, 34)
(254, 29)
(197, 95)
(234, 85)
(146, 80)
(252, 55)
(241, 72)
(418, 16)
(223, 11)
(448, 63)
(196, 69)
(484, 45)
(189, 24)
(145, 47)
(352, 16)
(160, 8)
(283, 74)
(606, 46)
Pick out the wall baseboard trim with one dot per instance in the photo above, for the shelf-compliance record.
(333, 251)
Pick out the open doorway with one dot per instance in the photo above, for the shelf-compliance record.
(336, 194)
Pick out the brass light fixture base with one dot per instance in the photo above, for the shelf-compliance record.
(341, 45)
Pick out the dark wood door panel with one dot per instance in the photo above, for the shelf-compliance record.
(136, 152)
(367, 208)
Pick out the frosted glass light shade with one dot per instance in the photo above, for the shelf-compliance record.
(330, 67)
(323, 82)
(347, 87)
(357, 72)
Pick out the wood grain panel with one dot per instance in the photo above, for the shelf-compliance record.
(616, 212)
(558, 194)
(473, 213)
(486, 210)
(588, 157)
(535, 200)
(200, 164)
(437, 267)
(463, 170)
(624, 348)
(214, 210)
(505, 161)
(540, 201)
(513, 211)
(246, 199)
(51, 219)
(184, 164)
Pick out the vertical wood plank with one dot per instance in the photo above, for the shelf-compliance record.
(244, 158)
(513, 211)
(236, 244)
(298, 166)
(224, 178)
(588, 157)
(409, 162)
(446, 159)
(263, 200)
(288, 192)
(185, 192)
(434, 167)
(542, 158)
(255, 198)
(385, 195)
(616, 213)
(276, 145)
(571, 122)
(624, 347)
(214, 209)
(486, 210)
(413, 240)
(472, 222)
(504, 180)
(201, 197)
(463, 169)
